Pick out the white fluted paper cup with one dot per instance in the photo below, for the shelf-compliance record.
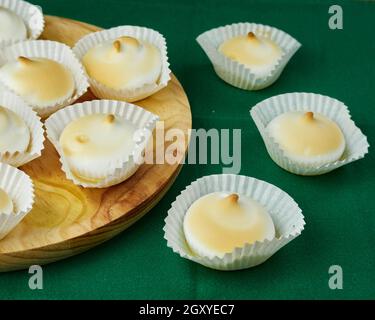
(117, 170)
(14, 103)
(286, 215)
(356, 142)
(19, 186)
(58, 52)
(31, 15)
(238, 74)
(104, 92)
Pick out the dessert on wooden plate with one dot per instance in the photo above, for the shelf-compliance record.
(100, 142)
(15, 135)
(309, 134)
(40, 82)
(21, 131)
(45, 74)
(231, 222)
(247, 55)
(12, 26)
(92, 142)
(126, 63)
(19, 21)
(16, 197)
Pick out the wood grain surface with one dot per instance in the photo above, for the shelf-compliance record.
(68, 219)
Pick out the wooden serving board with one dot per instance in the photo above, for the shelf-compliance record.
(67, 219)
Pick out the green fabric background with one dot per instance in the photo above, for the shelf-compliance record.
(339, 207)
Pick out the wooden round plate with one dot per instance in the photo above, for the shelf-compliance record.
(67, 219)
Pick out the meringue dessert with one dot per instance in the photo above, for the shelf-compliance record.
(12, 27)
(307, 137)
(40, 82)
(219, 222)
(14, 133)
(259, 54)
(124, 64)
(6, 203)
(93, 143)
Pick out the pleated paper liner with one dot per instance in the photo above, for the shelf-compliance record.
(286, 215)
(356, 142)
(19, 187)
(102, 91)
(31, 15)
(55, 51)
(238, 74)
(14, 103)
(118, 170)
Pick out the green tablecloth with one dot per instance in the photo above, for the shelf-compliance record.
(339, 207)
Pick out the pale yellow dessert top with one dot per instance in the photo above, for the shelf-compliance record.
(220, 223)
(95, 141)
(14, 132)
(124, 63)
(43, 80)
(97, 135)
(12, 26)
(252, 50)
(306, 133)
(6, 203)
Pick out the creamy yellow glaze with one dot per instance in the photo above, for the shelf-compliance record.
(12, 26)
(40, 81)
(218, 223)
(93, 142)
(6, 203)
(256, 52)
(14, 132)
(307, 134)
(124, 63)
